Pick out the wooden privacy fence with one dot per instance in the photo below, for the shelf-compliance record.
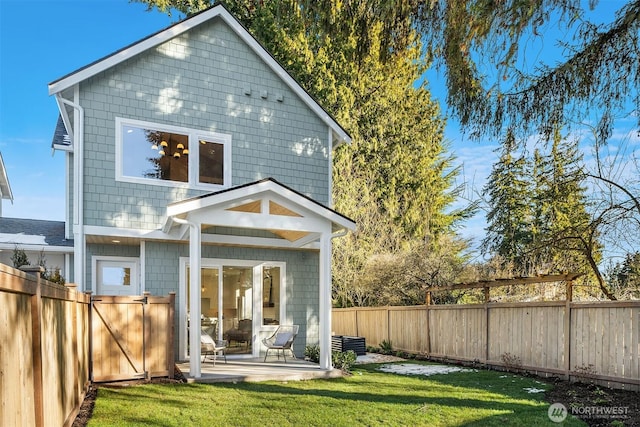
(54, 340)
(132, 337)
(44, 350)
(599, 340)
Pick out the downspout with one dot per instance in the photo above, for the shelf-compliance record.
(341, 233)
(79, 245)
(194, 294)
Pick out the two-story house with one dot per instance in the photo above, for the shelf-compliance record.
(198, 165)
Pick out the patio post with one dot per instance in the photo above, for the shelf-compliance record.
(325, 301)
(195, 370)
(194, 303)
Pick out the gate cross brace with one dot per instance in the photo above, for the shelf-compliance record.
(118, 337)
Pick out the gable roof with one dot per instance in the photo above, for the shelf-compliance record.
(239, 198)
(217, 11)
(33, 232)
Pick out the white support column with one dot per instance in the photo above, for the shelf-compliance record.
(194, 302)
(325, 301)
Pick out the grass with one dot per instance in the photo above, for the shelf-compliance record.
(369, 397)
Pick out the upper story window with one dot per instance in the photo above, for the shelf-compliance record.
(173, 156)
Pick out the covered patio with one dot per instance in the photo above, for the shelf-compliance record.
(255, 370)
(261, 214)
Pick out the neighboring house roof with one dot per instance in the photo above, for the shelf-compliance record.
(5, 188)
(61, 138)
(187, 24)
(40, 234)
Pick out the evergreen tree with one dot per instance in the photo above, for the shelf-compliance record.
(510, 215)
(19, 257)
(565, 219)
(540, 214)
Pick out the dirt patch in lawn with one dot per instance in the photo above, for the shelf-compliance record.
(596, 405)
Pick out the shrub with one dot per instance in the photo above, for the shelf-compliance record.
(343, 360)
(312, 353)
(511, 362)
(372, 349)
(19, 258)
(52, 275)
(386, 347)
(340, 360)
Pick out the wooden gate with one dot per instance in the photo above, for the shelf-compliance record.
(132, 337)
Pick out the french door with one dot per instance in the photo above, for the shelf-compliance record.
(227, 301)
(240, 301)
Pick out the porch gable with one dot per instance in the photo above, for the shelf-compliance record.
(262, 205)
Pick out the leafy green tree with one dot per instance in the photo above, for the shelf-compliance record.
(482, 46)
(539, 213)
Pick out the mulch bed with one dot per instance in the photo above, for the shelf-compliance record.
(579, 396)
(591, 403)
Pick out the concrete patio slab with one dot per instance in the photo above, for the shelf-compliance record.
(255, 370)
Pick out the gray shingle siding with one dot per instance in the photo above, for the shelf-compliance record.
(204, 72)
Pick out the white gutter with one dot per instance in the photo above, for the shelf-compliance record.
(194, 293)
(78, 184)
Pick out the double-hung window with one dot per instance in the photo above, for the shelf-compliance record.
(172, 156)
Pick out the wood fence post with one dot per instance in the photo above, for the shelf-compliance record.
(36, 344)
(389, 325)
(567, 330)
(74, 339)
(427, 306)
(146, 328)
(90, 332)
(357, 326)
(487, 299)
(171, 353)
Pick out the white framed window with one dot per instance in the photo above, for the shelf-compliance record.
(274, 293)
(151, 153)
(115, 275)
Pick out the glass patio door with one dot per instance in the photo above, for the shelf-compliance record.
(237, 308)
(226, 305)
(209, 300)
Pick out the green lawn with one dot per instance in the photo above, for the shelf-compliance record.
(369, 397)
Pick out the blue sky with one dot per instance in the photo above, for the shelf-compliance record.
(43, 40)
